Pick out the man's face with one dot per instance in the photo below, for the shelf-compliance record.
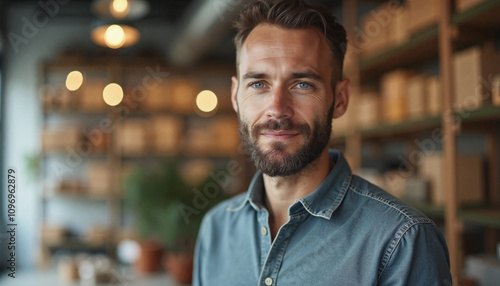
(284, 97)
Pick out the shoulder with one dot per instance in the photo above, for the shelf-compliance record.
(384, 204)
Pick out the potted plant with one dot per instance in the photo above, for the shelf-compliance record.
(162, 199)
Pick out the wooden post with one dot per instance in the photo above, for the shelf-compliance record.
(353, 139)
(452, 224)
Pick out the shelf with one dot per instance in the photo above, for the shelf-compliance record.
(428, 209)
(76, 112)
(421, 46)
(489, 217)
(402, 128)
(76, 244)
(483, 15)
(486, 113)
(82, 196)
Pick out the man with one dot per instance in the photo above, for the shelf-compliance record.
(306, 219)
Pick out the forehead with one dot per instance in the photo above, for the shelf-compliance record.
(274, 44)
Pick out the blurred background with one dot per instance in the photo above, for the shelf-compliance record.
(117, 131)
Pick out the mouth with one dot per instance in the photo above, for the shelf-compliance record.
(279, 135)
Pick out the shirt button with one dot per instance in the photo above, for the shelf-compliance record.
(268, 281)
(263, 230)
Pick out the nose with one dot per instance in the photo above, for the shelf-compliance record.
(280, 104)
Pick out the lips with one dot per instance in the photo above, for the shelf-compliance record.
(280, 135)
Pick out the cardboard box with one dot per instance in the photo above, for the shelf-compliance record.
(52, 234)
(472, 69)
(184, 92)
(90, 96)
(495, 90)
(422, 14)
(416, 105)
(368, 110)
(373, 35)
(131, 137)
(225, 136)
(60, 139)
(470, 178)
(97, 235)
(462, 5)
(99, 179)
(398, 29)
(434, 95)
(166, 134)
(394, 95)
(158, 98)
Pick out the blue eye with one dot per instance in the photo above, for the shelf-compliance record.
(257, 85)
(303, 85)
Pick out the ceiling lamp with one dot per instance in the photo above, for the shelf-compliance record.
(113, 35)
(120, 9)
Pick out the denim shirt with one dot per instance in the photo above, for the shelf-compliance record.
(347, 232)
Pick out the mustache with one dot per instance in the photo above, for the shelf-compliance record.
(281, 124)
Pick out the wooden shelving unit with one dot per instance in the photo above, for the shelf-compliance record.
(420, 46)
(437, 43)
(127, 73)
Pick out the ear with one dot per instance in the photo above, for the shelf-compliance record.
(342, 95)
(234, 92)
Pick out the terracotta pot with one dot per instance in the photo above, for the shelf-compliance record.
(179, 267)
(150, 259)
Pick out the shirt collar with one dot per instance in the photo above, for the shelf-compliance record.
(321, 203)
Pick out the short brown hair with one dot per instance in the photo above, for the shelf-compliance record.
(293, 14)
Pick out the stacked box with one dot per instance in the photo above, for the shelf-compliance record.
(90, 96)
(374, 32)
(198, 140)
(52, 234)
(368, 110)
(462, 5)
(470, 178)
(398, 32)
(97, 235)
(184, 92)
(131, 137)
(495, 90)
(98, 179)
(422, 14)
(158, 98)
(394, 95)
(166, 134)
(224, 133)
(472, 69)
(416, 105)
(58, 140)
(434, 95)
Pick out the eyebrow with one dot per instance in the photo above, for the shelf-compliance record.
(254, 75)
(305, 74)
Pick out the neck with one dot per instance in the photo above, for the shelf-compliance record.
(282, 192)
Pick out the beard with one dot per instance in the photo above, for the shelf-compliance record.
(275, 161)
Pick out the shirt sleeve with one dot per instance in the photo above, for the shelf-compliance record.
(420, 257)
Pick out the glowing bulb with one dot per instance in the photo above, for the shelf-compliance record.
(114, 37)
(119, 8)
(112, 94)
(74, 80)
(206, 101)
